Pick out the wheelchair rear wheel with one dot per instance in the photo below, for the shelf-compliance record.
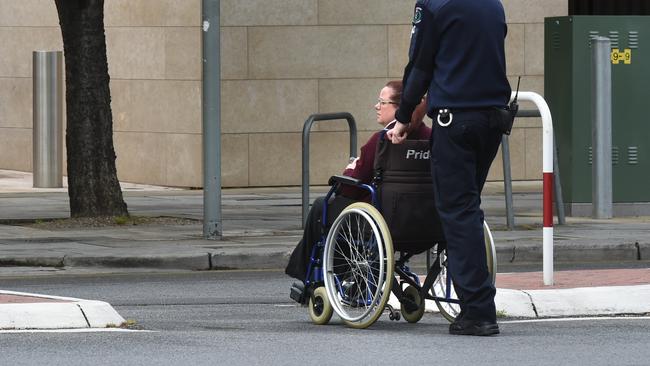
(358, 265)
(443, 287)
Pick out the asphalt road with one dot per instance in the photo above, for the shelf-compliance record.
(246, 318)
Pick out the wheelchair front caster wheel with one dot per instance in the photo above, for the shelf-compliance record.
(320, 309)
(393, 314)
(414, 316)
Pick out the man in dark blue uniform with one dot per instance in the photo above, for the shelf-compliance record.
(457, 57)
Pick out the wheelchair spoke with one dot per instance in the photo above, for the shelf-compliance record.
(344, 256)
(356, 266)
(443, 290)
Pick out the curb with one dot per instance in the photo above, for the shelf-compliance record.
(582, 301)
(510, 253)
(275, 257)
(189, 262)
(262, 259)
(609, 300)
(60, 313)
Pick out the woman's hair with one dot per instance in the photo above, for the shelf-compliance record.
(420, 111)
(396, 86)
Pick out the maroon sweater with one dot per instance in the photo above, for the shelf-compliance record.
(364, 166)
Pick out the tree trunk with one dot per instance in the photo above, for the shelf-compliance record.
(92, 177)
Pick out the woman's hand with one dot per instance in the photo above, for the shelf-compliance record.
(353, 163)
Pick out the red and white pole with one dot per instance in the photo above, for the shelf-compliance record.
(547, 171)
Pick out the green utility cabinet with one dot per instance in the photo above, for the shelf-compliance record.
(567, 90)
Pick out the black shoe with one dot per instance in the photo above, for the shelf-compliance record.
(473, 327)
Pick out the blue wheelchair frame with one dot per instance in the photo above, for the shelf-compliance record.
(314, 269)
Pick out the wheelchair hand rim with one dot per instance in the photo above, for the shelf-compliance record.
(329, 277)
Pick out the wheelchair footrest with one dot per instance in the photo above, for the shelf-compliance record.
(298, 292)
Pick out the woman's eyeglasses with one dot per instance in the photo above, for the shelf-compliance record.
(384, 102)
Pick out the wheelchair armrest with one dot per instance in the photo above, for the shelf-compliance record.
(344, 179)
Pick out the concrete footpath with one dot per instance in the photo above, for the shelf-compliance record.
(262, 225)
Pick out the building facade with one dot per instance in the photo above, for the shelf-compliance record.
(282, 60)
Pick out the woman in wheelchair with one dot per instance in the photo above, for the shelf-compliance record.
(345, 260)
(362, 169)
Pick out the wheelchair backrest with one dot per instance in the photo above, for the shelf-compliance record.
(403, 180)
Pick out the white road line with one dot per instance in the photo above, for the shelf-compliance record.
(80, 330)
(576, 319)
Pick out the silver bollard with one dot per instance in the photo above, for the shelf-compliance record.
(601, 128)
(48, 116)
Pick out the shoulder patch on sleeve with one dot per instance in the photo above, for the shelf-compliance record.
(417, 17)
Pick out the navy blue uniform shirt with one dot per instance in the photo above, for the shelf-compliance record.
(457, 55)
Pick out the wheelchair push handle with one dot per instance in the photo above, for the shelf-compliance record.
(337, 180)
(343, 179)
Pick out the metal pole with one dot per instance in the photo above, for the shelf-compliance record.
(48, 116)
(507, 182)
(211, 101)
(306, 128)
(547, 176)
(601, 128)
(559, 201)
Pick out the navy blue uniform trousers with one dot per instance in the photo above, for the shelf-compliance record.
(461, 155)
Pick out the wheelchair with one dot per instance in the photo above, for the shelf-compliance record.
(363, 257)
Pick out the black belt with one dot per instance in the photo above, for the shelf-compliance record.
(444, 116)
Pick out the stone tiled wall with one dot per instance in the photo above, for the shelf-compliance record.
(154, 56)
(282, 60)
(24, 26)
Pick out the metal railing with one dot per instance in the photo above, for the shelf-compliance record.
(507, 177)
(547, 177)
(305, 149)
